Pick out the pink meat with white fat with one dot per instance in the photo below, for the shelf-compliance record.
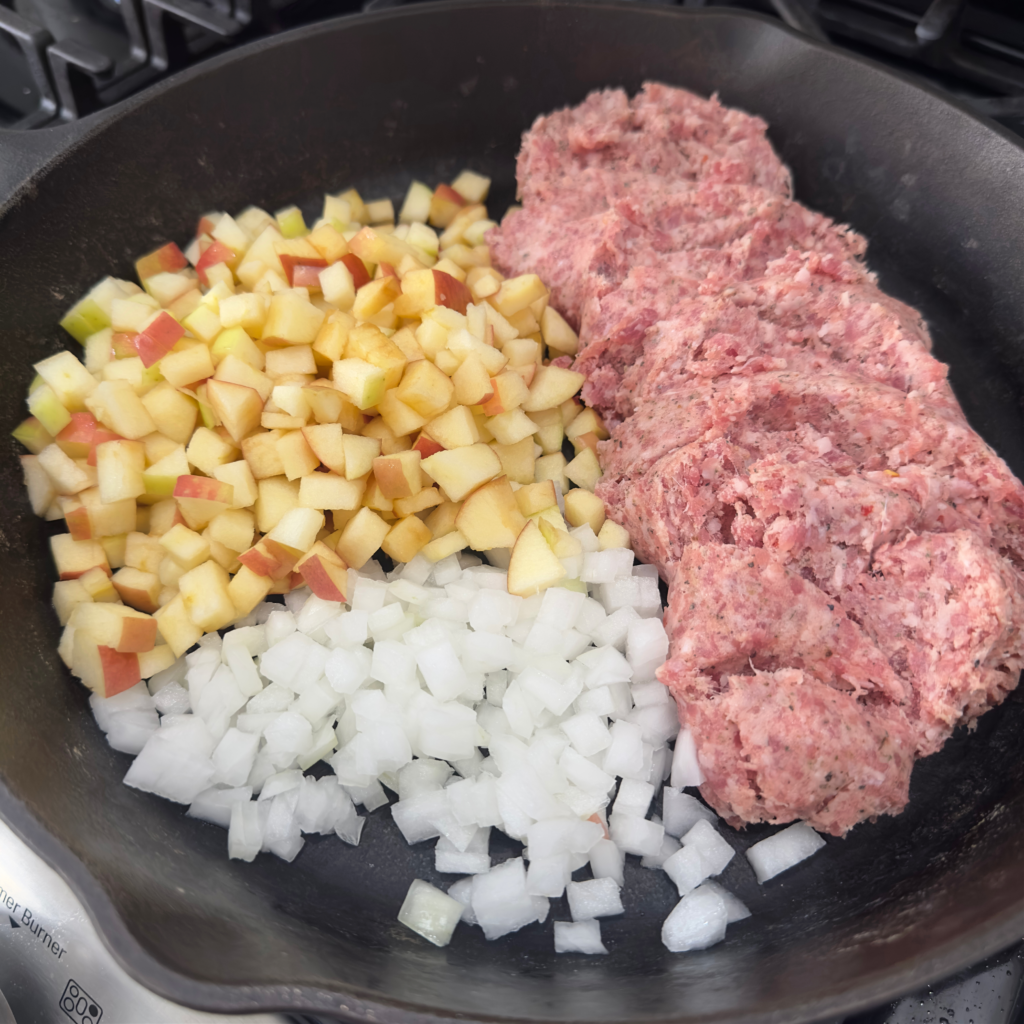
(845, 556)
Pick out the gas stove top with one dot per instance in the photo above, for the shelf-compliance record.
(63, 59)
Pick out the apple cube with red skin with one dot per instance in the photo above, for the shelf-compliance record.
(357, 268)
(105, 671)
(292, 263)
(124, 629)
(138, 589)
(200, 498)
(398, 475)
(269, 558)
(157, 338)
(165, 260)
(216, 252)
(73, 557)
(427, 446)
(445, 203)
(324, 571)
(77, 439)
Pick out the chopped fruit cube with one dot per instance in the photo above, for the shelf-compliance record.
(442, 519)
(247, 589)
(270, 559)
(200, 498)
(330, 491)
(66, 595)
(533, 566)
(105, 671)
(424, 499)
(442, 547)
(119, 468)
(167, 259)
(73, 557)
(462, 470)
(97, 584)
(277, 495)
(139, 589)
(185, 546)
(445, 203)
(552, 386)
(124, 629)
(612, 536)
(406, 538)
(157, 338)
(552, 467)
(427, 446)
(298, 528)
(471, 186)
(511, 427)
(71, 382)
(400, 418)
(31, 433)
(398, 476)
(359, 381)
(584, 507)
(296, 456)
(535, 497)
(490, 517)
(260, 452)
(205, 592)
(325, 572)
(359, 455)
(362, 536)
(517, 460)
(584, 470)
(177, 629)
(509, 391)
(173, 413)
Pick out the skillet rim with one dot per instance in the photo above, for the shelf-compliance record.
(48, 149)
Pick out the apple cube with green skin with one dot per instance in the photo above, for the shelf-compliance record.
(70, 380)
(92, 313)
(360, 382)
(32, 434)
(47, 409)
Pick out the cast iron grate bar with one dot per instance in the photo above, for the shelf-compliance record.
(166, 21)
(32, 41)
(76, 72)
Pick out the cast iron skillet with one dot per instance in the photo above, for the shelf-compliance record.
(425, 91)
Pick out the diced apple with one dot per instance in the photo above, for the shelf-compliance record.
(461, 343)
(233, 528)
(517, 460)
(293, 359)
(162, 516)
(41, 491)
(374, 497)
(490, 517)
(398, 476)
(374, 296)
(204, 590)
(550, 431)
(116, 405)
(260, 452)
(584, 470)
(582, 506)
(247, 589)
(75, 557)
(157, 338)
(238, 407)
(359, 455)
(66, 476)
(292, 319)
(234, 370)
(588, 421)
(31, 433)
(176, 627)
(444, 205)
(167, 259)
(98, 586)
(71, 382)
(509, 391)
(406, 539)
(400, 418)
(143, 552)
(471, 186)
(612, 535)
(563, 545)
(173, 413)
(462, 470)
(119, 467)
(338, 282)
(552, 467)
(552, 386)
(203, 322)
(368, 342)
(234, 341)
(185, 546)
(239, 476)
(138, 589)
(360, 382)
(535, 497)
(325, 572)
(426, 389)
(330, 491)
(427, 446)
(105, 671)
(511, 427)
(298, 528)
(326, 442)
(419, 502)
(271, 559)
(200, 498)
(442, 547)
(124, 629)
(472, 381)
(46, 408)
(159, 658)
(362, 536)
(276, 496)
(187, 366)
(533, 566)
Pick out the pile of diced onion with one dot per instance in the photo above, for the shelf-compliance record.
(541, 717)
(270, 408)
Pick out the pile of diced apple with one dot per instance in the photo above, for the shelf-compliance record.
(276, 404)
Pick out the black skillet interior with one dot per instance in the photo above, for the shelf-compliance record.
(423, 92)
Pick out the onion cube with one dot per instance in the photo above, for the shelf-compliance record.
(604, 665)
(612, 631)
(289, 733)
(634, 797)
(556, 836)
(781, 851)
(636, 835)
(492, 610)
(586, 536)
(578, 937)
(561, 606)
(462, 890)
(473, 860)
(606, 566)
(233, 757)
(500, 900)
(392, 662)
(597, 897)
(591, 615)
(656, 861)
(445, 677)
(172, 699)
(685, 768)
(607, 861)
(245, 836)
(588, 733)
(584, 773)
(368, 595)
(447, 570)
(686, 868)
(422, 776)
(658, 722)
(129, 731)
(548, 876)
(316, 612)
(347, 669)
(214, 805)
(279, 624)
(680, 811)
(697, 921)
(448, 731)
(735, 908)
(349, 629)
(430, 912)
(625, 755)
(175, 762)
(715, 852)
(646, 647)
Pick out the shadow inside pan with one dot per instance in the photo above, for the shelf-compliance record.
(423, 93)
